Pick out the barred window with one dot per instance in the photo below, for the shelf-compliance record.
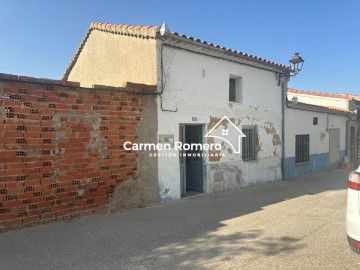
(302, 148)
(249, 143)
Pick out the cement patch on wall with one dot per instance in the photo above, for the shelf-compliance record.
(224, 176)
(234, 175)
(126, 196)
(148, 166)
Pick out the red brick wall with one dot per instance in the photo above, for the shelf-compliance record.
(61, 149)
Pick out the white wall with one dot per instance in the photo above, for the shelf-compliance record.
(197, 86)
(299, 122)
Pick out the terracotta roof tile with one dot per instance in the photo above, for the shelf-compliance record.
(337, 108)
(141, 30)
(322, 94)
(151, 32)
(230, 50)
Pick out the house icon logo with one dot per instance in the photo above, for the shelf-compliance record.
(226, 130)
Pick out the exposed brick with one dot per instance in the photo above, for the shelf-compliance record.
(51, 169)
(30, 219)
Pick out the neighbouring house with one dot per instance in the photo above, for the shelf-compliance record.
(321, 132)
(198, 83)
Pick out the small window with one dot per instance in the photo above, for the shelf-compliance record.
(315, 121)
(235, 89)
(302, 148)
(249, 143)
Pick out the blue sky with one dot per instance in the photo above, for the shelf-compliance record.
(38, 38)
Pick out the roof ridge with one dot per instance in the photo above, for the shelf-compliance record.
(142, 30)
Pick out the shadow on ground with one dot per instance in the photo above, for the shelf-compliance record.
(179, 235)
(192, 253)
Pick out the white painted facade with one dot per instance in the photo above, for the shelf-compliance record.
(197, 86)
(192, 80)
(301, 122)
(327, 139)
(341, 104)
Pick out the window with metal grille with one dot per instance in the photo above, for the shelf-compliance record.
(302, 148)
(249, 143)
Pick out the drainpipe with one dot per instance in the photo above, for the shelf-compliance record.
(283, 106)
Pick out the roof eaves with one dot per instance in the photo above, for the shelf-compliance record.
(238, 54)
(317, 108)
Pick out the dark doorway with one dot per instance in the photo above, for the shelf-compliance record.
(191, 161)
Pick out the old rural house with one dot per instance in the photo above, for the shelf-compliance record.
(198, 83)
(70, 149)
(322, 131)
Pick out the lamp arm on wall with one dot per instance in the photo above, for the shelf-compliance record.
(296, 62)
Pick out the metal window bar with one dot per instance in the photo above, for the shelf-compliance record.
(302, 148)
(249, 143)
(232, 90)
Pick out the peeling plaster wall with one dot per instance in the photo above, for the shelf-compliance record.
(198, 86)
(301, 122)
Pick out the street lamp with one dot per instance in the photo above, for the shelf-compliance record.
(296, 62)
